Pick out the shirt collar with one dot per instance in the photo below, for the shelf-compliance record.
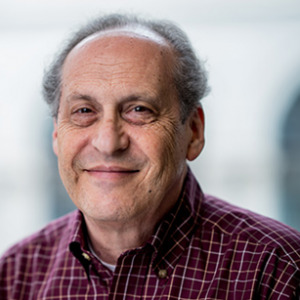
(174, 233)
(78, 233)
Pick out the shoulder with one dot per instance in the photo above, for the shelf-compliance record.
(31, 262)
(44, 240)
(244, 226)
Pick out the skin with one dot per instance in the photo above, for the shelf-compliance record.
(120, 143)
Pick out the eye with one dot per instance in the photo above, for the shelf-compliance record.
(141, 109)
(139, 114)
(83, 116)
(83, 110)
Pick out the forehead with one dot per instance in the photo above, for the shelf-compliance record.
(115, 64)
(135, 48)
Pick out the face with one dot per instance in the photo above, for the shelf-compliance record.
(120, 143)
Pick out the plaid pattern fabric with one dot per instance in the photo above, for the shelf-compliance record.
(204, 248)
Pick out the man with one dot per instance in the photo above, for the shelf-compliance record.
(124, 95)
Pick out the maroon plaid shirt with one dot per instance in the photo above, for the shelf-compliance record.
(204, 249)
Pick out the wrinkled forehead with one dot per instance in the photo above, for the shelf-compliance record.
(143, 56)
(133, 45)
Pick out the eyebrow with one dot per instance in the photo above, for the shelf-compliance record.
(93, 100)
(77, 96)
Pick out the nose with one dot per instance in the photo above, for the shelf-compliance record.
(110, 137)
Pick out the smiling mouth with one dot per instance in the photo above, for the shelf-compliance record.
(111, 170)
(110, 173)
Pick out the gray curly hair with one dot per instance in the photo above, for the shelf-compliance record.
(189, 76)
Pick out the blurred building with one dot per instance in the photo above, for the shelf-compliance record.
(290, 172)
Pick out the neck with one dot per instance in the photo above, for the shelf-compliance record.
(111, 238)
(109, 242)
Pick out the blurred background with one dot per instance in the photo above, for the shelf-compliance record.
(252, 152)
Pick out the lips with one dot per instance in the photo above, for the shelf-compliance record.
(111, 169)
(110, 172)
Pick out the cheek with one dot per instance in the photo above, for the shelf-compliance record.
(163, 145)
(172, 140)
(69, 144)
(70, 138)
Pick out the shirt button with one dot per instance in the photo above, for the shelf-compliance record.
(162, 273)
(86, 256)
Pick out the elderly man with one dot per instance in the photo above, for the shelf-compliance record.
(124, 95)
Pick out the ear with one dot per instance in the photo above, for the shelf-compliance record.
(54, 137)
(196, 144)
